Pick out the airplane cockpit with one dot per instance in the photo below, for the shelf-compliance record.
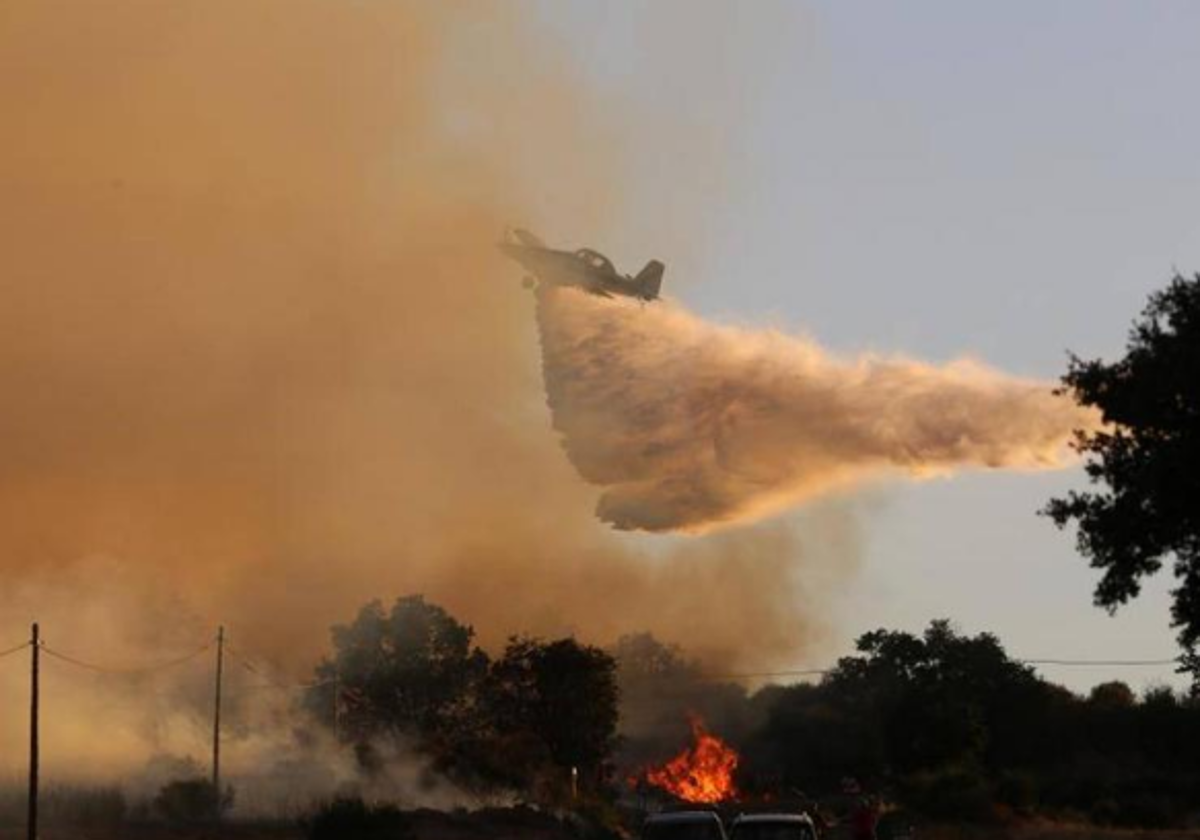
(596, 260)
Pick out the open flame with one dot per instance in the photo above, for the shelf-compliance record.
(703, 772)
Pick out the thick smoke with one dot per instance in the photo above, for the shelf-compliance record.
(690, 426)
(260, 362)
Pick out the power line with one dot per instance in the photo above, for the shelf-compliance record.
(1100, 663)
(135, 671)
(1068, 663)
(14, 649)
(268, 681)
(810, 672)
(216, 741)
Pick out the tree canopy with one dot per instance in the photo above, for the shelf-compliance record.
(957, 729)
(947, 724)
(561, 694)
(520, 721)
(1144, 465)
(409, 670)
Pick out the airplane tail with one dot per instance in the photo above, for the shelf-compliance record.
(649, 280)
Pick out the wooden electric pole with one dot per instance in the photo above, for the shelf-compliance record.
(31, 821)
(337, 705)
(216, 749)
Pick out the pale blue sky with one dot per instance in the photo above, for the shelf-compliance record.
(1003, 180)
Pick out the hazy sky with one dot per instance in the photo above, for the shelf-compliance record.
(938, 179)
(254, 329)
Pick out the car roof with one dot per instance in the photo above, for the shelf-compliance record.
(683, 817)
(774, 818)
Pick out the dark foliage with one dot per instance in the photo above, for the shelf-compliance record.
(409, 671)
(959, 731)
(1145, 465)
(528, 717)
(191, 801)
(560, 697)
(951, 795)
(353, 819)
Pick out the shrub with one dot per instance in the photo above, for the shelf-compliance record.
(191, 800)
(957, 794)
(1148, 809)
(1018, 791)
(350, 818)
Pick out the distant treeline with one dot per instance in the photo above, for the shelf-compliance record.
(947, 725)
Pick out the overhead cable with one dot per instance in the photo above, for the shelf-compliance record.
(125, 671)
(14, 649)
(270, 682)
(1100, 663)
(1070, 663)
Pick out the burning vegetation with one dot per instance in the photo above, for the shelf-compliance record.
(701, 773)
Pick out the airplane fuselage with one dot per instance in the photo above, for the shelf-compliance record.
(584, 269)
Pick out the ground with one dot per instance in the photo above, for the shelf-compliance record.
(511, 825)
(495, 824)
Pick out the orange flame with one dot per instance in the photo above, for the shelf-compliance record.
(702, 772)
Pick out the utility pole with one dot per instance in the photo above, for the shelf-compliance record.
(31, 821)
(337, 705)
(216, 752)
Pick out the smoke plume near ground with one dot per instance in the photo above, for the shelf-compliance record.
(260, 362)
(689, 426)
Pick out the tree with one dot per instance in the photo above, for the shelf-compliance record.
(414, 671)
(558, 699)
(192, 801)
(1112, 695)
(1145, 461)
(641, 658)
(660, 689)
(810, 740)
(938, 700)
(410, 671)
(954, 727)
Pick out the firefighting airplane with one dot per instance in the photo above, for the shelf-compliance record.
(584, 269)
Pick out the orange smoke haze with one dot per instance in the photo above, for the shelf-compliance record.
(689, 426)
(260, 361)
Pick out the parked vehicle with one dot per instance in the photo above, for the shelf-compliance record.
(773, 827)
(683, 825)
